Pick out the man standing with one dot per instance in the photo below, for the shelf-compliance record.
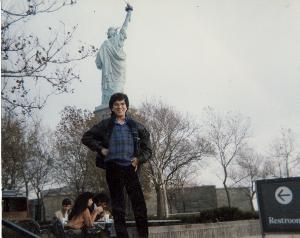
(122, 145)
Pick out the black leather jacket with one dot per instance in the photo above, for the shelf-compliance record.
(98, 137)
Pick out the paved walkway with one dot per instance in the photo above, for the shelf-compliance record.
(275, 236)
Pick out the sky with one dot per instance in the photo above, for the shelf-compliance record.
(233, 55)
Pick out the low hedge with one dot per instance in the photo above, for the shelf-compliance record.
(214, 215)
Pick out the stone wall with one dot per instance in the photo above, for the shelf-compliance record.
(239, 198)
(193, 199)
(234, 229)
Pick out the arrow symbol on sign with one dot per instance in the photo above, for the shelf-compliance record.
(281, 196)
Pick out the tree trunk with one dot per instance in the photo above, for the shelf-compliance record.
(279, 166)
(43, 209)
(38, 210)
(227, 192)
(225, 187)
(287, 167)
(26, 190)
(166, 206)
(13, 182)
(227, 195)
(27, 197)
(251, 202)
(159, 202)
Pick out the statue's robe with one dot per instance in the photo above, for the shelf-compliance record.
(111, 60)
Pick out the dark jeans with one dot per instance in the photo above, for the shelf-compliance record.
(117, 178)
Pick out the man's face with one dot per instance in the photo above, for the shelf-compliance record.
(66, 207)
(119, 108)
(102, 204)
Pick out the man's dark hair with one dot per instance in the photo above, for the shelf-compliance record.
(101, 197)
(118, 97)
(66, 202)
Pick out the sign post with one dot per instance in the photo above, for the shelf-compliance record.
(279, 205)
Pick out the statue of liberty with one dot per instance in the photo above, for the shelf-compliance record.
(111, 60)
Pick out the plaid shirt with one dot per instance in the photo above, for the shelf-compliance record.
(121, 145)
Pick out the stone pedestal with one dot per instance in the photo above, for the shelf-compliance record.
(102, 112)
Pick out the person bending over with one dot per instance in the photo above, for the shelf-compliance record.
(101, 199)
(80, 215)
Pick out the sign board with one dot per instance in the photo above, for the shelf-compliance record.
(279, 204)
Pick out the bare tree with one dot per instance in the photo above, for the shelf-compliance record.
(250, 167)
(74, 163)
(175, 145)
(22, 145)
(181, 179)
(96, 180)
(284, 154)
(31, 62)
(12, 148)
(38, 162)
(228, 135)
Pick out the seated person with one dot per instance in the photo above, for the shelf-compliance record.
(63, 213)
(80, 215)
(101, 199)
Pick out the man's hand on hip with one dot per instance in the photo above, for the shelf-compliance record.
(135, 163)
(104, 151)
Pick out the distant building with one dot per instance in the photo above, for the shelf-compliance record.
(192, 199)
(53, 199)
(239, 198)
(14, 205)
(199, 198)
(185, 200)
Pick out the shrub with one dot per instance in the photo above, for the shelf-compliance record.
(216, 215)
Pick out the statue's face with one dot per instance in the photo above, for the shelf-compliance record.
(111, 32)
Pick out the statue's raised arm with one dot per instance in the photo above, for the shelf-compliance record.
(128, 9)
